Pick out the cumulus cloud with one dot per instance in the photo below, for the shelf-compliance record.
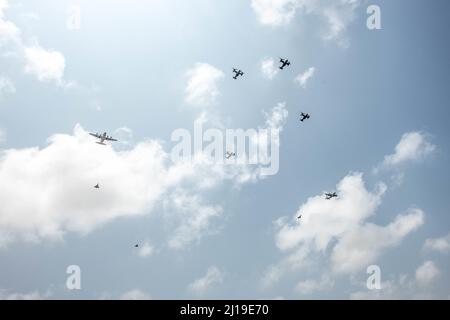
(8, 30)
(146, 250)
(441, 245)
(362, 246)
(135, 294)
(268, 68)
(339, 226)
(337, 15)
(203, 85)
(196, 219)
(413, 146)
(6, 86)
(46, 65)
(302, 78)
(427, 273)
(57, 181)
(201, 286)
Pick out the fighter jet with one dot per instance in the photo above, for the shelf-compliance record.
(329, 196)
(230, 154)
(97, 186)
(237, 73)
(102, 138)
(284, 63)
(304, 116)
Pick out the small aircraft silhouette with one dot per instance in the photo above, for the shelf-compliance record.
(136, 245)
(102, 137)
(299, 217)
(284, 63)
(329, 196)
(237, 73)
(304, 116)
(230, 154)
(97, 186)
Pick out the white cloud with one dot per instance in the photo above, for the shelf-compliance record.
(303, 78)
(6, 86)
(339, 226)
(310, 286)
(337, 15)
(268, 68)
(135, 294)
(427, 273)
(275, 12)
(441, 245)
(202, 86)
(46, 65)
(8, 30)
(146, 250)
(58, 181)
(196, 219)
(413, 146)
(361, 247)
(201, 286)
(73, 21)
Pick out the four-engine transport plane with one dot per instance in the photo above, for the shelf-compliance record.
(102, 138)
(328, 196)
(230, 154)
(304, 116)
(284, 63)
(237, 73)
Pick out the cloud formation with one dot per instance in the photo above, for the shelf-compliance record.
(413, 146)
(201, 286)
(336, 15)
(302, 78)
(202, 87)
(268, 68)
(441, 244)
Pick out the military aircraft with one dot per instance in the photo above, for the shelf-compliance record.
(230, 154)
(136, 245)
(299, 217)
(97, 186)
(102, 138)
(237, 73)
(284, 63)
(329, 196)
(304, 116)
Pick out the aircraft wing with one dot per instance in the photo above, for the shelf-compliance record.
(110, 139)
(95, 135)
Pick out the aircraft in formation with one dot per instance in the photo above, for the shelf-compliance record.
(97, 186)
(304, 116)
(102, 138)
(299, 217)
(136, 245)
(284, 63)
(329, 196)
(237, 73)
(230, 154)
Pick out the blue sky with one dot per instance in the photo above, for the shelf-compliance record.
(378, 134)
